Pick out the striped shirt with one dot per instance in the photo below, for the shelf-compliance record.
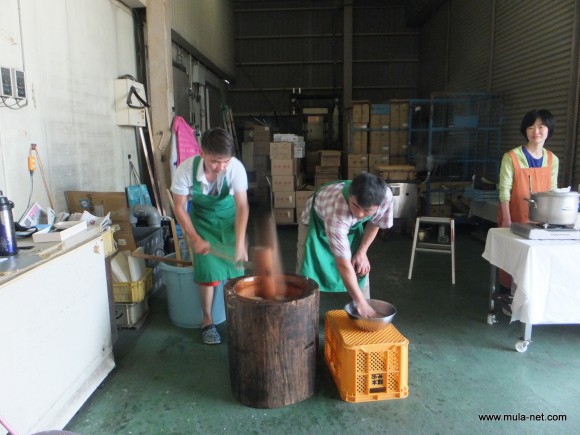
(333, 209)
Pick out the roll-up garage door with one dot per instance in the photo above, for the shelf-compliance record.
(533, 65)
(470, 37)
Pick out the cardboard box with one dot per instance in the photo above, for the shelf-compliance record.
(332, 171)
(377, 159)
(261, 148)
(361, 111)
(353, 172)
(284, 215)
(357, 161)
(380, 121)
(319, 180)
(283, 167)
(329, 158)
(101, 203)
(284, 199)
(283, 183)
(299, 211)
(281, 150)
(302, 197)
(396, 172)
(358, 138)
(399, 113)
(257, 133)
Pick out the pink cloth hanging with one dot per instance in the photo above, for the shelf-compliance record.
(187, 145)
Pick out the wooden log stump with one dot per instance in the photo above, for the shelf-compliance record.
(272, 344)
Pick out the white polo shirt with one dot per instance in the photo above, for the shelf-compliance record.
(235, 175)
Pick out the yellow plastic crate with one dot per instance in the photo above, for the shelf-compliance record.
(134, 291)
(366, 366)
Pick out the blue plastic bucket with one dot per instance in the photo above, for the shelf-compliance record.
(183, 301)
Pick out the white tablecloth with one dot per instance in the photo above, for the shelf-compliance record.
(547, 274)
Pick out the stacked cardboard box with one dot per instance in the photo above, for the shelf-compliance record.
(399, 137)
(285, 169)
(301, 197)
(327, 167)
(379, 146)
(355, 164)
(255, 152)
(356, 132)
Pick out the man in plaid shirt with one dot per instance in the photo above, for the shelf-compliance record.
(332, 240)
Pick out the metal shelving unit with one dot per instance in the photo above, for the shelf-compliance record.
(454, 137)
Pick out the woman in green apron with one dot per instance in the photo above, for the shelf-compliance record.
(332, 241)
(214, 185)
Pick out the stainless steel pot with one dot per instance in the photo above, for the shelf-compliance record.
(554, 208)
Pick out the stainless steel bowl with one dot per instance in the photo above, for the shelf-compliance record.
(386, 310)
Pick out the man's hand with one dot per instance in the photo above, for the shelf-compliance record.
(361, 264)
(201, 246)
(365, 310)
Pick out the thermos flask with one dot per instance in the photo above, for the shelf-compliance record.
(8, 245)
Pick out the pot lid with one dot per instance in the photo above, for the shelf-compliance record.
(553, 193)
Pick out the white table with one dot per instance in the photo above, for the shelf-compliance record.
(547, 275)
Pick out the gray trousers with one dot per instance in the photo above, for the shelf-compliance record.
(302, 234)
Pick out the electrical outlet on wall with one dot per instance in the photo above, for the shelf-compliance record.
(6, 89)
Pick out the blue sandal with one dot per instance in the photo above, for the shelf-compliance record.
(210, 335)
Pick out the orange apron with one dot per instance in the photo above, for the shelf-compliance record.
(541, 181)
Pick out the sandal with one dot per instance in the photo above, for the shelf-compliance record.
(210, 335)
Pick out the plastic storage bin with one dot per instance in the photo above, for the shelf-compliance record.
(366, 366)
(134, 291)
(131, 315)
(183, 302)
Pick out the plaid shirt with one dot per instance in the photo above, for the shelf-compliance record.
(333, 209)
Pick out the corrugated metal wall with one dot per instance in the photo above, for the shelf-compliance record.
(534, 67)
(433, 53)
(525, 50)
(470, 42)
(385, 52)
(281, 46)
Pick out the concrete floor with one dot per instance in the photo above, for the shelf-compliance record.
(167, 381)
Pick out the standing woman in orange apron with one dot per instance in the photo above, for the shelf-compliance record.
(527, 168)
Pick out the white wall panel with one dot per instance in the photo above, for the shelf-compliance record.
(208, 25)
(71, 51)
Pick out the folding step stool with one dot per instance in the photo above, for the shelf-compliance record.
(438, 248)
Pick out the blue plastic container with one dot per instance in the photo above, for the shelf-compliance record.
(183, 302)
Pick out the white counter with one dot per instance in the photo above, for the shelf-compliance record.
(55, 332)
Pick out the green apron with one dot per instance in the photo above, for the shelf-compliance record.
(319, 263)
(213, 217)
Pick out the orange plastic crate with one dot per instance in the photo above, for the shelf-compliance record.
(366, 366)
